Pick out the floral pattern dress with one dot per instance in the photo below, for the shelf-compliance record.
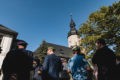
(77, 65)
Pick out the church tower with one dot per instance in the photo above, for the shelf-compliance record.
(73, 38)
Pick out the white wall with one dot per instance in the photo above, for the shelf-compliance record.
(73, 40)
(5, 45)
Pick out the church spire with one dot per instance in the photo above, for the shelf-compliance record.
(73, 30)
(72, 23)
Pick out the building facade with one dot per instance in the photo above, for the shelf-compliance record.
(7, 37)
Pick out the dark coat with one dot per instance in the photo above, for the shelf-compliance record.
(17, 62)
(51, 67)
(105, 60)
(118, 71)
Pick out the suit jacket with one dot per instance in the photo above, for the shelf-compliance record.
(17, 62)
(105, 60)
(51, 67)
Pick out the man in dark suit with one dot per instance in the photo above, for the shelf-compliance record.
(52, 65)
(17, 64)
(105, 60)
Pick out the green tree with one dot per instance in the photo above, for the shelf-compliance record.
(41, 51)
(103, 23)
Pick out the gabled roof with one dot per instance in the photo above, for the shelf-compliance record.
(61, 50)
(6, 30)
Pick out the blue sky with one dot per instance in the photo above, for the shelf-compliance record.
(38, 20)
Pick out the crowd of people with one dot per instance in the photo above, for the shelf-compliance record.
(20, 64)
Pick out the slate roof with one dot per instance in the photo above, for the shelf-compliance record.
(61, 50)
(6, 30)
